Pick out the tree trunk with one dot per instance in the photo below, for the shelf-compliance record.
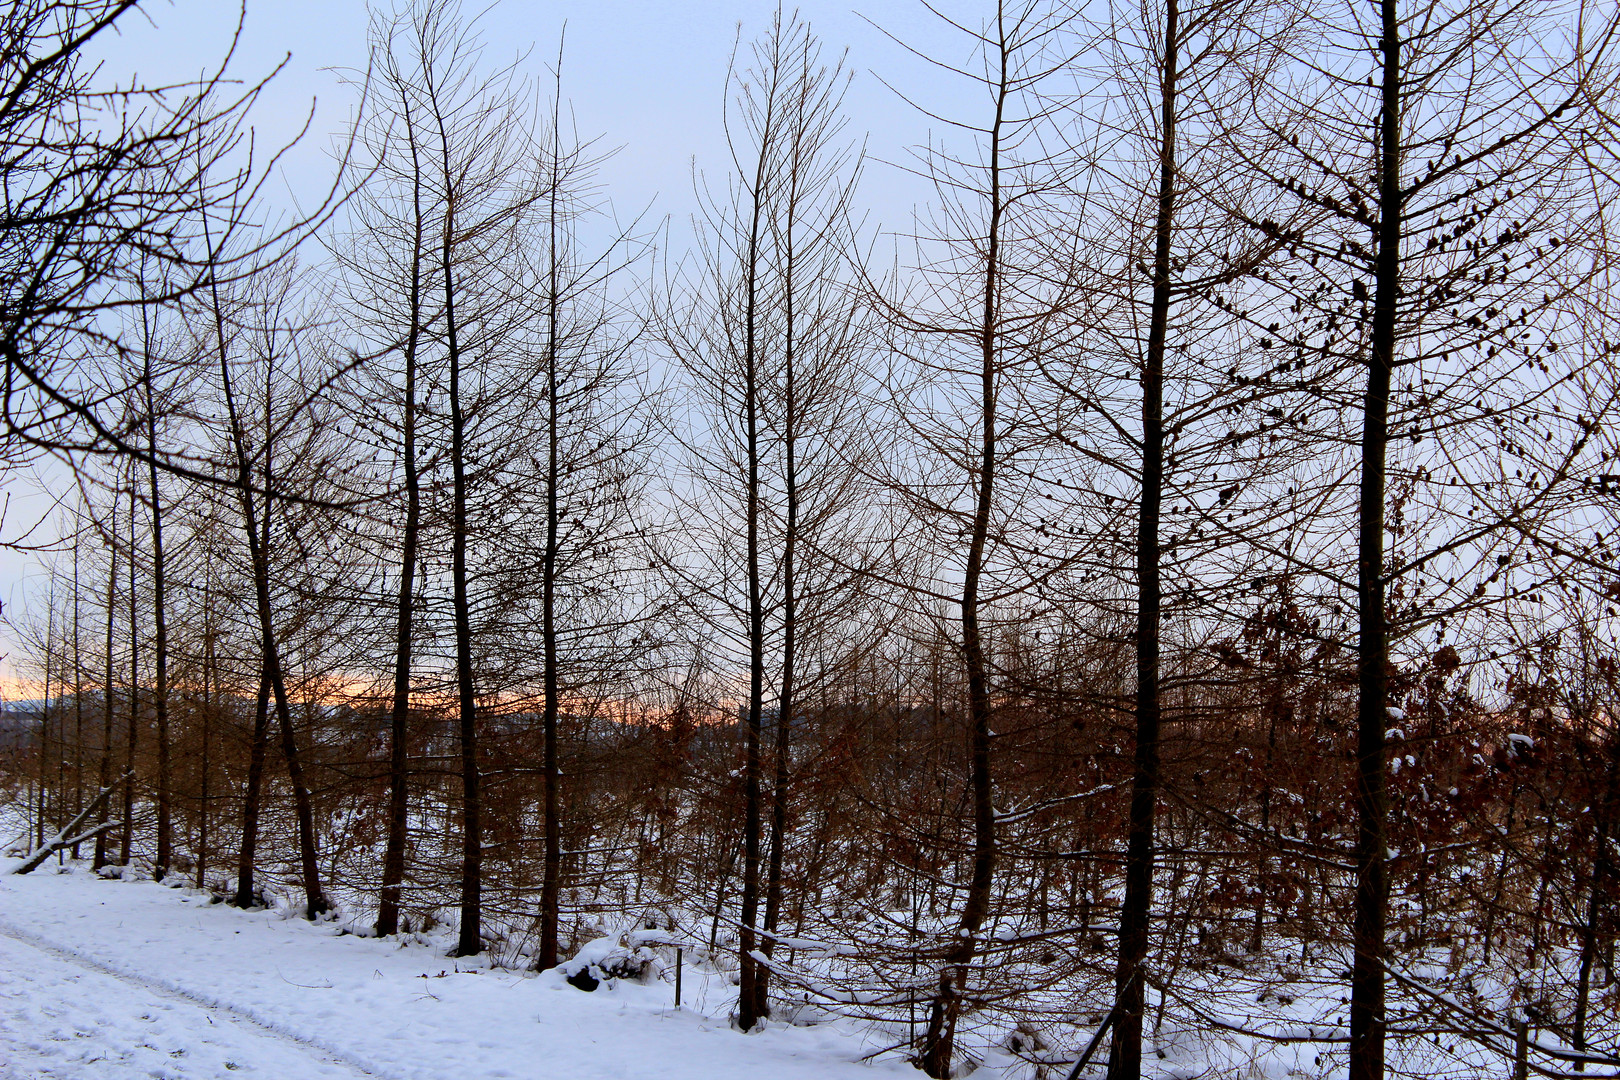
(748, 995)
(244, 897)
(160, 644)
(1367, 973)
(784, 712)
(78, 702)
(209, 676)
(314, 899)
(42, 766)
(68, 836)
(1125, 1061)
(1596, 905)
(551, 878)
(393, 875)
(259, 555)
(132, 736)
(104, 771)
(940, 1037)
(470, 941)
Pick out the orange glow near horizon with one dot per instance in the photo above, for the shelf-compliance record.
(15, 689)
(358, 692)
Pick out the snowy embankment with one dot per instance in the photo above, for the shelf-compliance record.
(111, 979)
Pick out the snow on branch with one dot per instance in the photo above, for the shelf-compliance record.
(69, 836)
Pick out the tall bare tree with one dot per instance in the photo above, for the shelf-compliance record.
(814, 247)
(721, 339)
(1451, 172)
(967, 335)
(271, 333)
(389, 257)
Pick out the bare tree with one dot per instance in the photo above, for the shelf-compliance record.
(1454, 133)
(271, 333)
(389, 256)
(595, 441)
(821, 332)
(104, 766)
(721, 339)
(160, 618)
(967, 337)
(106, 189)
(1138, 379)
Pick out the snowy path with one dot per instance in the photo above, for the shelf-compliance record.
(64, 1016)
(116, 980)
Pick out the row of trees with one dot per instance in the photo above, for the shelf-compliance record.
(1137, 556)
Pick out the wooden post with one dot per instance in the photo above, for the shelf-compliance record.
(678, 966)
(1521, 1049)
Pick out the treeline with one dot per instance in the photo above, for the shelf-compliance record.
(1168, 585)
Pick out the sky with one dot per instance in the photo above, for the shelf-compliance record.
(648, 78)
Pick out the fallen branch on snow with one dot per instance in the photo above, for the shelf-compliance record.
(68, 836)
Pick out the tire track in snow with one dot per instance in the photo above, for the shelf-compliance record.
(161, 988)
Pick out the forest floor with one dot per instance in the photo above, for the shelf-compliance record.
(112, 979)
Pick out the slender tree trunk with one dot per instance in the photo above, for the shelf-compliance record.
(398, 735)
(551, 877)
(784, 712)
(133, 734)
(939, 1039)
(104, 772)
(160, 644)
(254, 796)
(314, 899)
(470, 941)
(59, 795)
(1367, 973)
(748, 994)
(1596, 906)
(1589, 947)
(208, 675)
(1488, 931)
(1263, 863)
(78, 702)
(244, 897)
(43, 765)
(1130, 976)
(259, 555)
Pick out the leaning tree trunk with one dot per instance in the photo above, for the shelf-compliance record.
(259, 556)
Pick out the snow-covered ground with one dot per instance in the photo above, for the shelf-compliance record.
(108, 979)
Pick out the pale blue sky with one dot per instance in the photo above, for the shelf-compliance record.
(646, 76)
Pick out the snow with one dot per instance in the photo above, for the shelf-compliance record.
(62, 1018)
(109, 980)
